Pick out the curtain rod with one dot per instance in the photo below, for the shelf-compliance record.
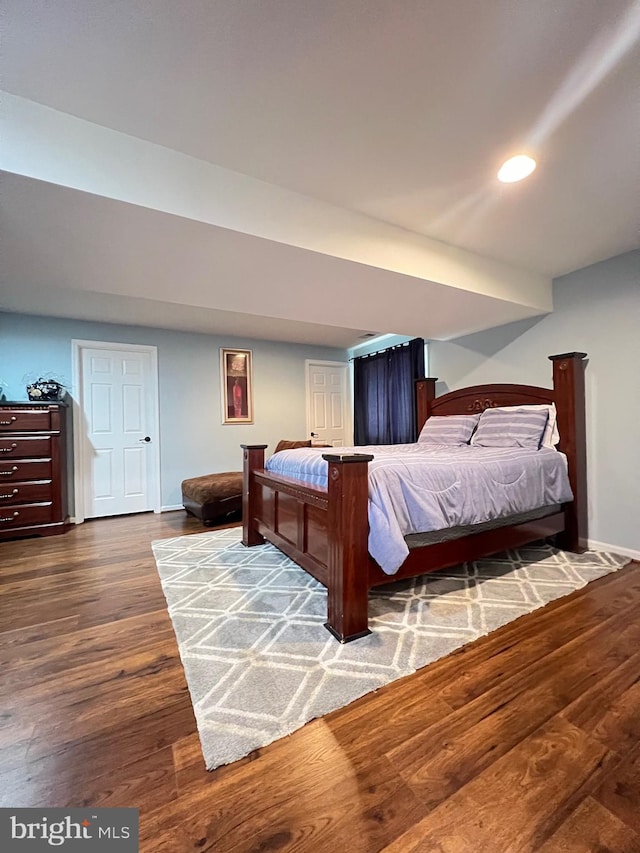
(388, 349)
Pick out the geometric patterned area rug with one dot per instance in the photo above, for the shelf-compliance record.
(259, 663)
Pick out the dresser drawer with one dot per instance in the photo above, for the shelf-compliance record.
(24, 420)
(19, 470)
(25, 514)
(24, 493)
(15, 447)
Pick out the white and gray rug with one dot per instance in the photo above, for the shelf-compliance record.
(260, 664)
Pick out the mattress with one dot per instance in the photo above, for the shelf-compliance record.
(418, 488)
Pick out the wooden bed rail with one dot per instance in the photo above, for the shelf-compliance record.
(425, 395)
(253, 459)
(569, 392)
(348, 556)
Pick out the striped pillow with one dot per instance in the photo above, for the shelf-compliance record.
(551, 436)
(448, 429)
(516, 428)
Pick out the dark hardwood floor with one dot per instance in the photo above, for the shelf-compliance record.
(527, 740)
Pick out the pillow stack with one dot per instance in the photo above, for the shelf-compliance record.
(530, 426)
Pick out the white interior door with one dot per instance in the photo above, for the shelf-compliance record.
(118, 401)
(328, 403)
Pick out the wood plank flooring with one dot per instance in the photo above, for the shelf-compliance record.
(527, 740)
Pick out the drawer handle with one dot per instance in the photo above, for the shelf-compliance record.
(10, 421)
(10, 517)
(9, 473)
(8, 449)
(9, 494)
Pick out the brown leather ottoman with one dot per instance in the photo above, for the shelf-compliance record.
(213, 496)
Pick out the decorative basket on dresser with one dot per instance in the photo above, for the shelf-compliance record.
(33, 473)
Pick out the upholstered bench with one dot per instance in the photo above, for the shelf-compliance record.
(213, 496)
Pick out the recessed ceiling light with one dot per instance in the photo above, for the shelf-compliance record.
(516, 168)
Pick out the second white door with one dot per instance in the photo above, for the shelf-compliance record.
(328, 403)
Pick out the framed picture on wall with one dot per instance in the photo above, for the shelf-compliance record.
(237, 386)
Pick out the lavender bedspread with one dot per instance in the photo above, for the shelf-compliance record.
(415, 488)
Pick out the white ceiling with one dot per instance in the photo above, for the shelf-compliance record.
(401, 111)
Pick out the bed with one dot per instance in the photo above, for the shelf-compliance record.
(326, 530)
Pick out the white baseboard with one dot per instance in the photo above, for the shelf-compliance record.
(614, 549)
(163, 509)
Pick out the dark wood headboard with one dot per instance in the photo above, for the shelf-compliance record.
(477, 398)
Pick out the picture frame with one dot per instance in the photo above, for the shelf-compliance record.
(236, 384)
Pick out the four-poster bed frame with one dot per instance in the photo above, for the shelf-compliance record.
(325, 531)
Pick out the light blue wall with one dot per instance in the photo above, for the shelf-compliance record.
(597, 311)
(193, 439)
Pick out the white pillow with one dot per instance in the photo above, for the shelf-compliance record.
(551, 436)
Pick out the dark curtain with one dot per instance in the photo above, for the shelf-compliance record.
(384, 394)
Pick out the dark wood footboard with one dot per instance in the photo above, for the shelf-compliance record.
(325, 531)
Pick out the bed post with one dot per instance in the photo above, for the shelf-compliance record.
(425, 395)
(568, 386)
(348, 556)
(253, 458)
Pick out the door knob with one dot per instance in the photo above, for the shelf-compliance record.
(147, 438)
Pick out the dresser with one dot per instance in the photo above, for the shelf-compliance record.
(33, 470)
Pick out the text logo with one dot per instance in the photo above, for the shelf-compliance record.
(33, 830)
